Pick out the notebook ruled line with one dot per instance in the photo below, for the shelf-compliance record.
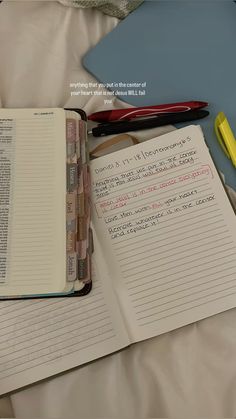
(162, 234)
(63, 324)
(50, 303)
(71, 352)
(124, 188)
(174, 260)
(174, 273)
(166, 208)
(147, 201)
(48, 347)
(68, 332)
(182, 291)
(159, 284)
(169, 249)
(184, 237)
(192, 306)
(172, 218)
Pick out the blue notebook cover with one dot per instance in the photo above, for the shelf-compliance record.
(183, 50)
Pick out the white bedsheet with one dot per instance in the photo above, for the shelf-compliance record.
(190, 372)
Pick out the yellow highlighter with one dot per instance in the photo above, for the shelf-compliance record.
(226, 137)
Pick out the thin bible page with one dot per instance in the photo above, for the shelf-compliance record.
(33, 181)
(168, 231)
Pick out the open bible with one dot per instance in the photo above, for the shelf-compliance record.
(164, 240)
(45, 240)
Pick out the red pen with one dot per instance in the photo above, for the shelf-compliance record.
(131, 113)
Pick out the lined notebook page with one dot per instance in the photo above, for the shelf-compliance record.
(40, 338)
(168, 232)
(36, 258)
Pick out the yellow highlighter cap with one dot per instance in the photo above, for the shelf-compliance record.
(225, 137)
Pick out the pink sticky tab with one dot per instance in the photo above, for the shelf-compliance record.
(71, 130)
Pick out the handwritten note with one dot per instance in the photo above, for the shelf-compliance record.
(167, 222)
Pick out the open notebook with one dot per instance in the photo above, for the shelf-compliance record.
(43, 172)
(164, 235)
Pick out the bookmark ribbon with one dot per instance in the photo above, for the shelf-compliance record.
(99, 150)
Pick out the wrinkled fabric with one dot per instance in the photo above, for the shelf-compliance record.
(117, 8)
(190, 372)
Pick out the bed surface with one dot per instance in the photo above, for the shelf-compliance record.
(190, 372)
